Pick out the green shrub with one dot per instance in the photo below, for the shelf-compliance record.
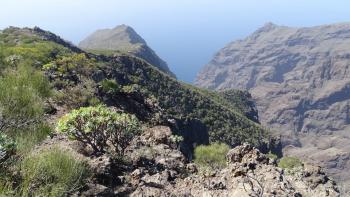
(21, 97)
(99, 127)
(212, 156)
(289, 162)
(7, 147)
(52, 172)
(110, 86)
(78, 95)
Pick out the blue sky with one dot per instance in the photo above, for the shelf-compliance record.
(184, 33)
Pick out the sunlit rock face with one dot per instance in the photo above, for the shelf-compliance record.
(300, 79)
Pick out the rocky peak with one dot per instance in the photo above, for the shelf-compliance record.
(267, 27)
(123, 39)
(128, 32)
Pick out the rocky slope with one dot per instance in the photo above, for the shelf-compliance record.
(123, 39)
(157, 168)
(300, 79)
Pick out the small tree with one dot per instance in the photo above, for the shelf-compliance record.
(212, 156)
(100, 128)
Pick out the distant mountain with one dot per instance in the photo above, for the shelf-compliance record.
(300, 79)
(123, 39)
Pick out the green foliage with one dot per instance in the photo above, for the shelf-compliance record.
(72, 63)
(225, 122)
(110, 86)
(289, 162)
(176, 139)
(99, 127)
(71, 75)
(271, 155)
(7, 147)
(32, 49)
(22, 93)
(132, 88)
(212, 156)
(6, 190)
(52, 172)
(27, 139)
(77, 95)
(241, 101)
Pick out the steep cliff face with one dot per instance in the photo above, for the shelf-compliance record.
(300, 79)
(123, 39)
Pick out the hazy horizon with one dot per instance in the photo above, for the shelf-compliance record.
(184, 34)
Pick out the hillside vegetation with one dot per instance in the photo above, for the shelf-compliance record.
(44, 77)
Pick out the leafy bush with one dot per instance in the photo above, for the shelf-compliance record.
(212, 156)
(7, 147)
(99, 127)
(52, 172)
(289, 162)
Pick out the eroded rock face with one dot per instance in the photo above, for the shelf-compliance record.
(300, 79)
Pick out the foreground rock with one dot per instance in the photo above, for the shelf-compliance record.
(249, 173)
(157, 168)
(300, 79)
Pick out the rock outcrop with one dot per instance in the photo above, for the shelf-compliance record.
(124, 39)
(249, 173)
(300, 79)
(156, 167)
